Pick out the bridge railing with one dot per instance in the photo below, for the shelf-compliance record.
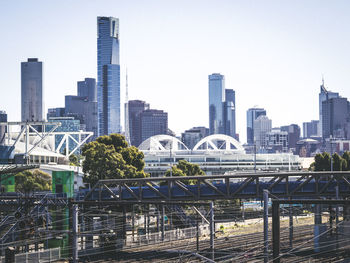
(247, 185)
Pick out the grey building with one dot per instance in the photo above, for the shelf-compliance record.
(136, 107)
(3, 118)
(293, 131)
(310, 129)
(32, 90)
(216, 100)
(276, 141)
(153, 122)
(84, 106)
(108, 75)
(192, 136)
(323, 96)
(262, 125)
(87, 88)
(55, 112)
(230, 113)
(252, 115)
(335, 115)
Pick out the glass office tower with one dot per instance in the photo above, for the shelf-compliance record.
(108, 75)
(216, 100)
(252, 115)
(32, 90)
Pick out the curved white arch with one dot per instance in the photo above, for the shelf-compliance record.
(162, 142)
(217, 142)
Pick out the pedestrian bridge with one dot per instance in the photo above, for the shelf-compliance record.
(281, 185)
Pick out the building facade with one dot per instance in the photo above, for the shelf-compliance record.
(216, 100)
(84, 106)
(32, 90)
(136, 107)
(323, 96)
(192, 136)
(335, 115)
(310, 129)
(230, 113)
(153, 122)
(276, 141)
(262, 125)
(293, 131)
(252, 115)
(108, 75)
(3, 118)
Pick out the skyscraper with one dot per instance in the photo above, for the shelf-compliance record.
(262, 125)
(310, 128)
(108, 75)
(32, 90)
(230, 113)
(323, 96)
(252, 115)
(153, 122)
(216, 100)
(135, 108)
(293, 135)
(87, 89)
(84, 106)
(335, 114)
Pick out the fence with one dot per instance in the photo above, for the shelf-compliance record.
(48, 255)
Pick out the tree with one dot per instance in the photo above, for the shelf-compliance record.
(184, 168)
(323, 162)
(346, 157)
(339, 164)
(31, 181)
(109, 157)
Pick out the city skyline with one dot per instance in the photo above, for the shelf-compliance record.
(283, 55)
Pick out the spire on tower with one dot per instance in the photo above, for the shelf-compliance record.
(127, 130)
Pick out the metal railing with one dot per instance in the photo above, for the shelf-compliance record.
(48, 255)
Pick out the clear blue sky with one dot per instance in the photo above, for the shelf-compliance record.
(272, 53)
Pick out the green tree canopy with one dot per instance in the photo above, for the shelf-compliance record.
(32, 180)
(323, 162)
(346, 157)
(109, 157)
(184, 168)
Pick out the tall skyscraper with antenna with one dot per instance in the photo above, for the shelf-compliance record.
(108, 75)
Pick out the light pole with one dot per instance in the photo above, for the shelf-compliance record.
(331, 142)
(254, 155)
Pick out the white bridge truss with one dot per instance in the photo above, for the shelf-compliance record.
(30, 136)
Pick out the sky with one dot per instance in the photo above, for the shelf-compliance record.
(272, 53)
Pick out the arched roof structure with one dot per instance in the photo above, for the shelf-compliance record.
(162, 143)
(217, 142)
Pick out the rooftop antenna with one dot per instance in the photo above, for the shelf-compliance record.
(127, 131)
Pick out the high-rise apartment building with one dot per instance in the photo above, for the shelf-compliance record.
(230, 112)
(262, 125)
(32, 90)
(84, 106)
(276, 141)
(222, 107)
(293, 131)
(323, 96)
(153, 122)
(335, 115)
(252, 115)
(87, 88)
(108, 75)
(310, 129)
(135, 108)
(216, 100)
(192, 136)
